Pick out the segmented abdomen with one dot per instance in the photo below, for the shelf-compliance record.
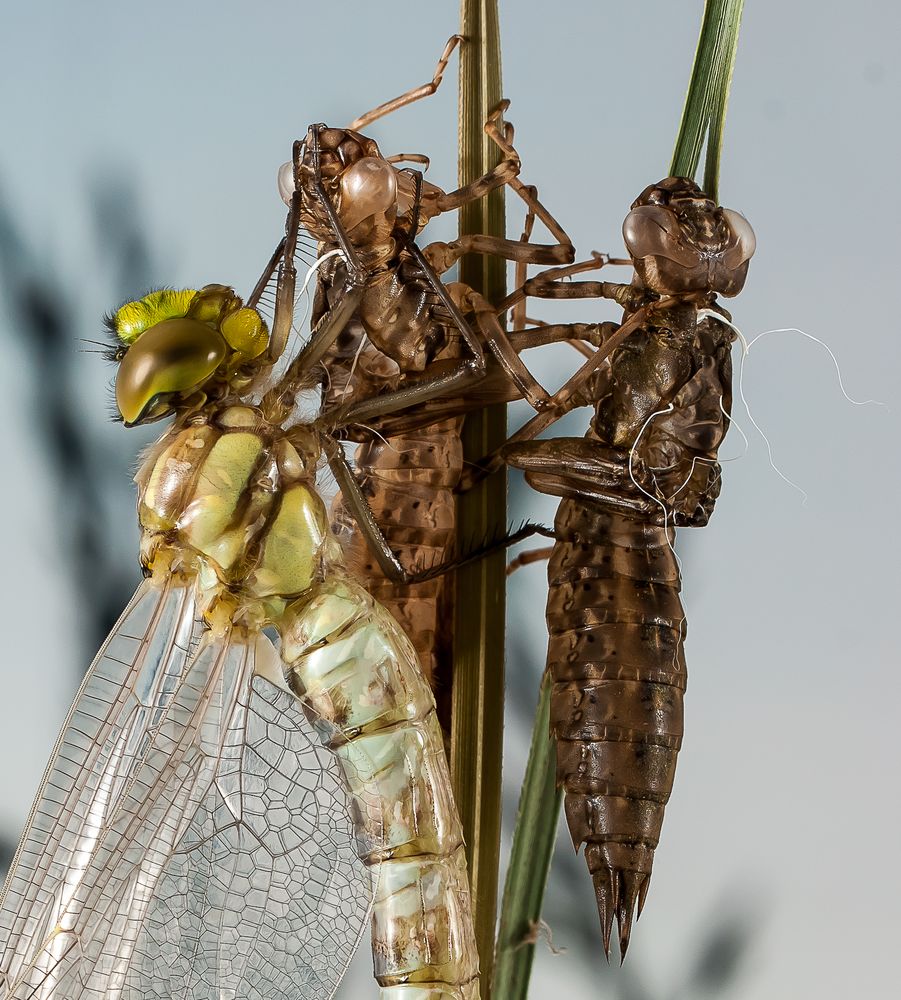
(616, 657)
(409, 482)
(357, 675)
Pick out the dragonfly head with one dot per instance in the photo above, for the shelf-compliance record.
(171, 344)
(682, 242)
(358, 181)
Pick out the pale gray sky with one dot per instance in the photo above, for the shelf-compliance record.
(786, 800)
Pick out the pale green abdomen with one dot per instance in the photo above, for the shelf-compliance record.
(357, 674)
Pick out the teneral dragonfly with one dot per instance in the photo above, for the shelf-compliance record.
(190, 838)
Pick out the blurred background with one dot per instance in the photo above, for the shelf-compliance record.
(141, 145)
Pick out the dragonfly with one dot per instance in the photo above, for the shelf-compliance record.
(253, 761)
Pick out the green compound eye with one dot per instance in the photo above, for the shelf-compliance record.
(170, 342)
(132, 319)
(174, 356)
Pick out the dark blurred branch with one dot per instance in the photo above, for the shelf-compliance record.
(45, 305)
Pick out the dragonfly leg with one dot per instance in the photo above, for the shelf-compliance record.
(283, 318)
(451, 383)
(443, 256)
(266, 276)
(527, 558)
(479, 552)
(576, 391)
(410, 96)
(495, 336)
(528, 193)
(503, 174)
(331, 325)
(589, 335)
(359, 508)
(550, 284)
(583, 467)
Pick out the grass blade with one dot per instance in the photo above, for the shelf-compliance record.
(708, 92)
(530, 859)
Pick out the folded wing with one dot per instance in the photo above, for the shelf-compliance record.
(191, 838)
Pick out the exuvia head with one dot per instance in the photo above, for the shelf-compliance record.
(172, 346)
(358, 180)
(681, 241)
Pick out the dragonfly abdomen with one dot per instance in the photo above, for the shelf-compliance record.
(358, 677)
(616, 628)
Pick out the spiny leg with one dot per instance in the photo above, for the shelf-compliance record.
(411, 96)
(335, 321)
(283, 318)
(324, 334)
(266, 276)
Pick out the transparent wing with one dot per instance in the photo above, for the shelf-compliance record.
(225, 869)
(121, 701)
(265, 896)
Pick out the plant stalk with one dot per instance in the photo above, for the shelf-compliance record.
(708, 94)
(539, 804)
(533, 848)
(477, 696)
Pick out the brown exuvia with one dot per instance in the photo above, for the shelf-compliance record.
(647, 464)
(404, 330)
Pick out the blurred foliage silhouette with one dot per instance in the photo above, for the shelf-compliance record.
(46, 314)
(52, 325)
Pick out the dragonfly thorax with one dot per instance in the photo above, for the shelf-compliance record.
(229, 497)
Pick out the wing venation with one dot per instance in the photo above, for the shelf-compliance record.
(192, 839)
